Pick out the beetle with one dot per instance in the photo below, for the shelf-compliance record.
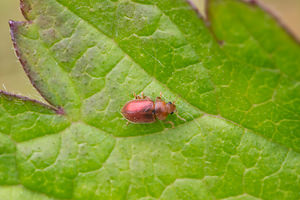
(143, 110)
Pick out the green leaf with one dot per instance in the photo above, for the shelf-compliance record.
(240, 99)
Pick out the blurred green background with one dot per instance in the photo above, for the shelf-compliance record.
(14, 80)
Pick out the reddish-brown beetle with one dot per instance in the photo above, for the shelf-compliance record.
(143, 110)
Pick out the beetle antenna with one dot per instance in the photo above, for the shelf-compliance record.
(194, 120)
(176, 113)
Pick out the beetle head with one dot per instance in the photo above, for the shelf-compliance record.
(171, 108)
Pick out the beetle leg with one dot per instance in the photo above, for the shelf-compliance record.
(134, 94)
(142, 95)
(160, 96)
(170, 122)
(148, 98)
